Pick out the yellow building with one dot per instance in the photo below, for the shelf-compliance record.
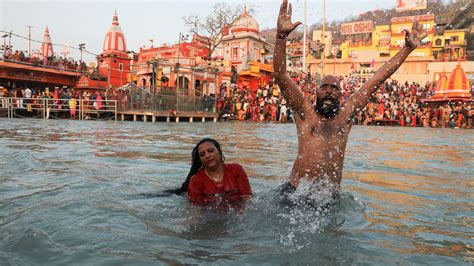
(449, 45)
(378, 44)
(381, 40)
(397, 40)
(387, 40)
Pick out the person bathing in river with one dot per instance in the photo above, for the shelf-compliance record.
(323, 129)
(211, 180)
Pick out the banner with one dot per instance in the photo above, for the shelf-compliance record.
(406, 5)
(357, 27)
(413, 18)
(384, 42)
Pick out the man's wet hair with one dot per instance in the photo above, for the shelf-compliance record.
(196, 165)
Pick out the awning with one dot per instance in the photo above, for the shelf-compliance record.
(453, 99)
(250, 73)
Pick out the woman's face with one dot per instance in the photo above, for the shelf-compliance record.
(209, 156)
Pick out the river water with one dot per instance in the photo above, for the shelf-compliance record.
(75, 192)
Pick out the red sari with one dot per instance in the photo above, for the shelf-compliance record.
(234, 186)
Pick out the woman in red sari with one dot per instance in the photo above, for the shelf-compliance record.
(213, 180)
(210, 179)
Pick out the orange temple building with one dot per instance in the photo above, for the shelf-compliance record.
(456, 88)
(114, 62)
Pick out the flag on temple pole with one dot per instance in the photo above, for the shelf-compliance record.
(372, 64)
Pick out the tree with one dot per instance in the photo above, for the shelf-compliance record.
(222, 17)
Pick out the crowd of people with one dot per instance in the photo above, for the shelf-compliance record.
(57, 98)
(394, 103)
(51, 61)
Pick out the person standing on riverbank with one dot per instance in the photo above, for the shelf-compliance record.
(323, 129)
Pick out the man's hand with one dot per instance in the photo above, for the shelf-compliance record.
(284, 24)
(413, 38)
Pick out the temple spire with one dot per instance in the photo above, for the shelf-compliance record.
(47, 45)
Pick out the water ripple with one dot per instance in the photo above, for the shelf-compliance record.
(72, 193)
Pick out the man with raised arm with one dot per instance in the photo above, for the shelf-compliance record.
(323, 129)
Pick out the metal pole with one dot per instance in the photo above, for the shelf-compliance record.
(323, 55)
(304, 34)
(154, 77)
(153, 80)
(108, 74)
(29, 39)
(5, 48)
(193, 89)
(10, 44)
(9, 106)
(177, 73)
(81, 47)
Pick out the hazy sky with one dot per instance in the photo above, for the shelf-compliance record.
(74, 22)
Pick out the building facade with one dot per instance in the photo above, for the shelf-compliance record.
(242, 44)
(179, 66)
(114, 62)
(362, 53)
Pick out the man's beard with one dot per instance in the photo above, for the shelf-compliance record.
(327, 110)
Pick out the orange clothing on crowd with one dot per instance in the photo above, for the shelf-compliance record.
(381, 109)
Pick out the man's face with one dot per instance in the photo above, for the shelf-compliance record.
(328, 97)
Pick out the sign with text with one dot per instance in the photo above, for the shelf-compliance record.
(426, 17)
(357, 27)
(384, 42)
(407, 5)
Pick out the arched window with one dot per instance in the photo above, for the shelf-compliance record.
(197, 88)
(438, 42)
(183, 87)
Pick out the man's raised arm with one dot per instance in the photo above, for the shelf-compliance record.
(360, 99)
(288, 87)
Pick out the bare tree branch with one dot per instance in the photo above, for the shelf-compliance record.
(223, 16)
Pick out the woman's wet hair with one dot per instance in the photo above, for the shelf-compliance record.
(196, 164)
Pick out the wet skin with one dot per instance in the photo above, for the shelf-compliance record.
(211, 160)
(322, 139)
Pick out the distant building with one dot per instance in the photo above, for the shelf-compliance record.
(294, 52)
(363, 51)
(397, 40)
(449, 45)
(114, 62)
(324, 40)
(184, 60)
(242, 43)
(243, 48)
(46, 49)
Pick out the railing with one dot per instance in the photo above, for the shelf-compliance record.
(45, 64)
(142, 100)
(82, 109)
(166, 103)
